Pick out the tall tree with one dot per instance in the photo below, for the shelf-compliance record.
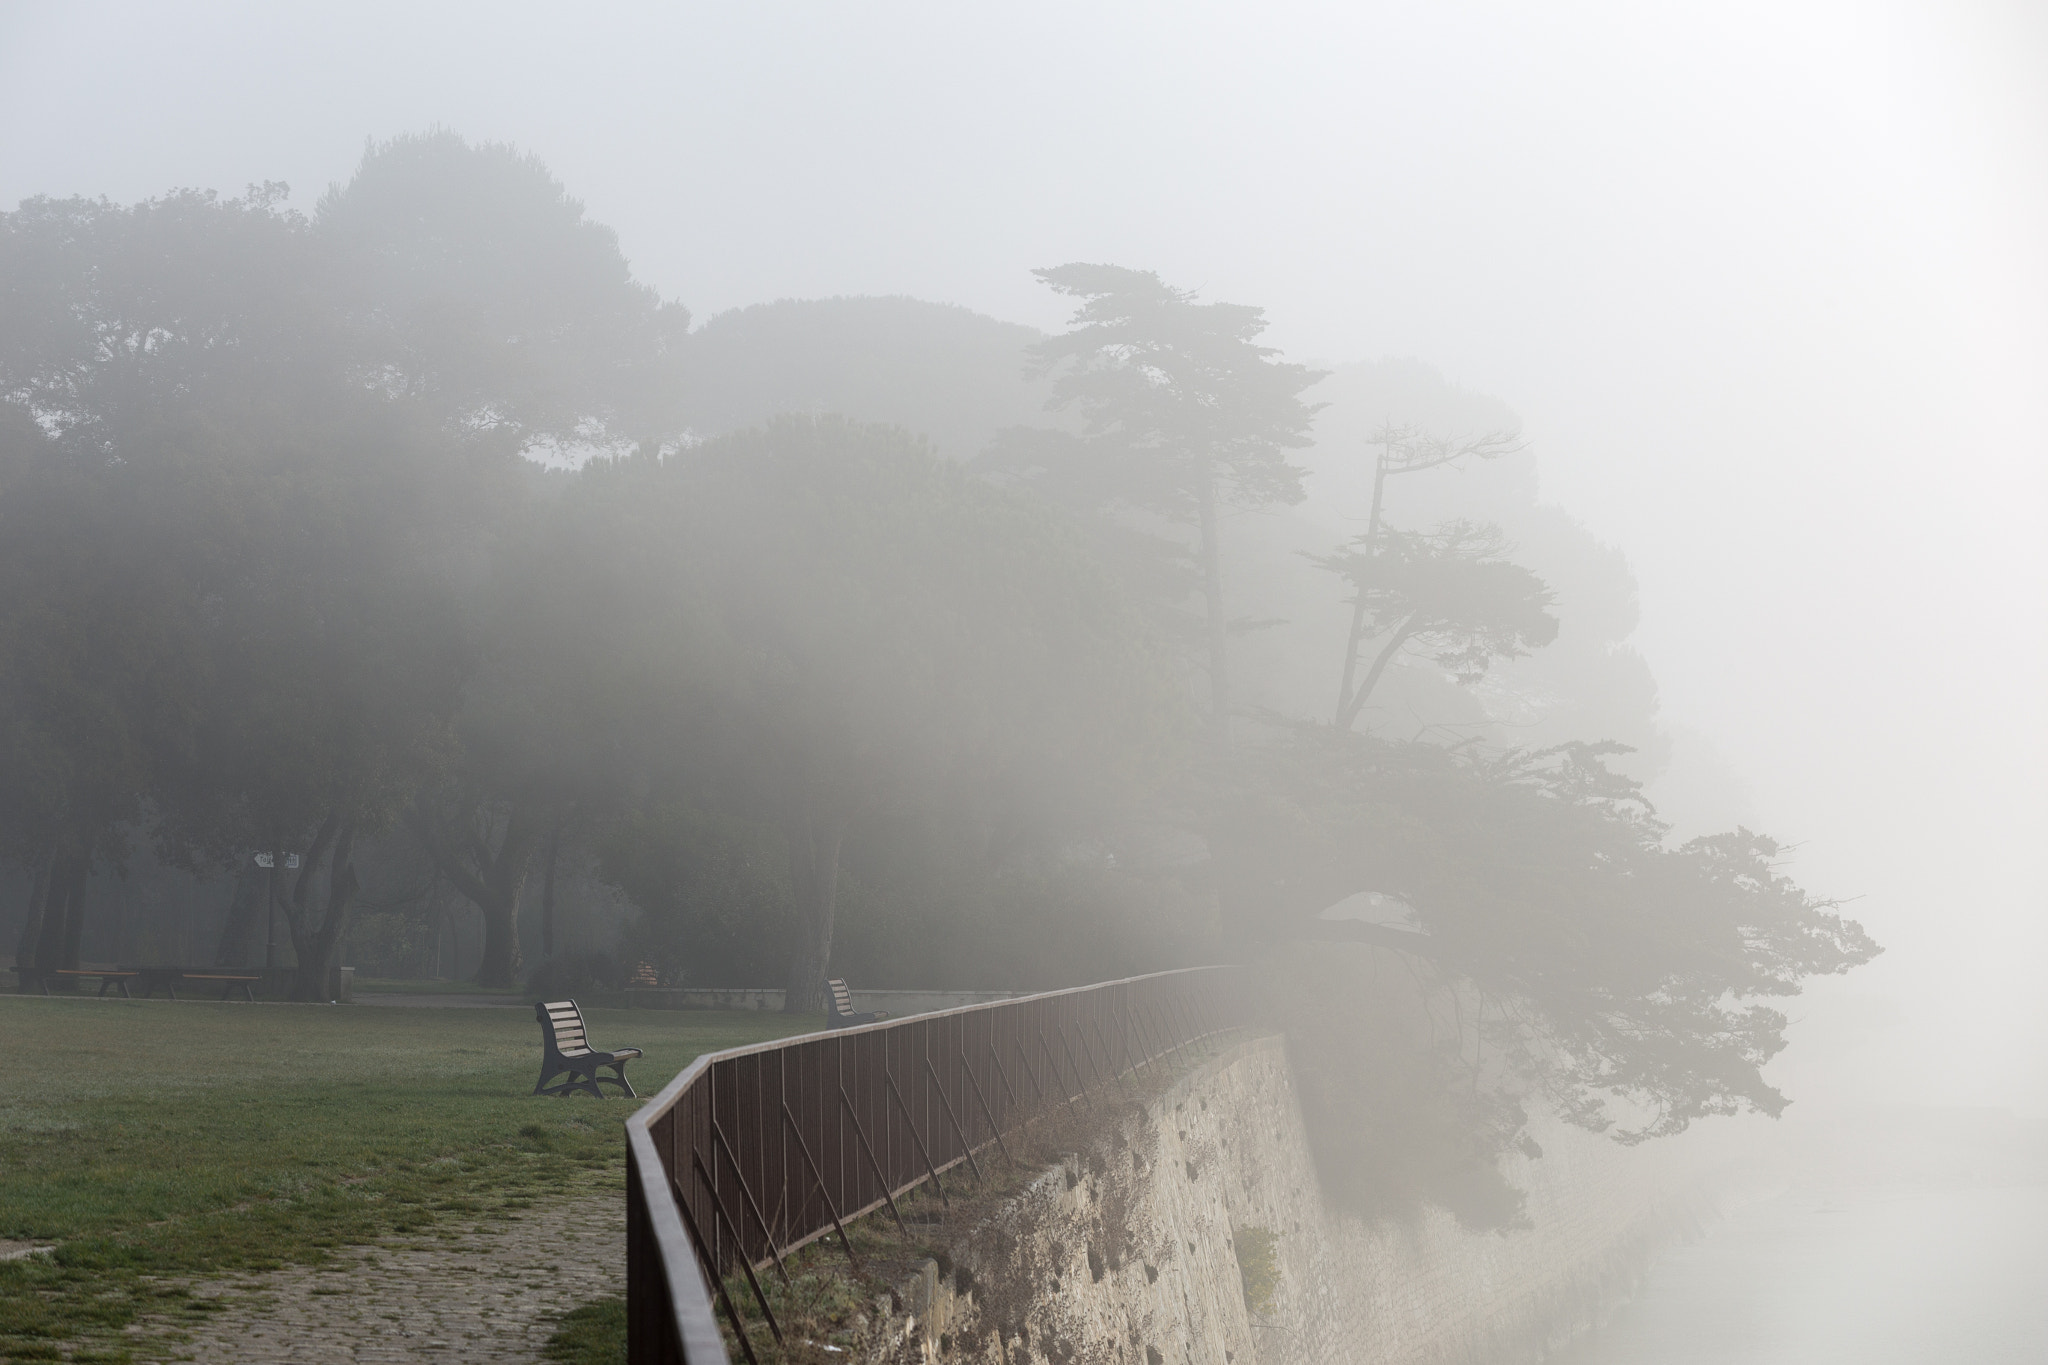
(1398, 450)
(897, 634)
(480, 293)
(102, 590)
(477, 286)
(1608, 963)
(1192, 413)
(1449, 593)
(302, 533)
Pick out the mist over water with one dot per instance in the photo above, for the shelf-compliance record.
(1898, 1276)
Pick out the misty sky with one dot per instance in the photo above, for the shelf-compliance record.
(1768, 284)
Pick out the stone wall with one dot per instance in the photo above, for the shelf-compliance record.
(1131, 1252)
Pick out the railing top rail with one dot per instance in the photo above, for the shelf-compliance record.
(692, 1319)
(669, 1244)
(666, 1097)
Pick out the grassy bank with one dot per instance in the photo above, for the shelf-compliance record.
(150, 1138)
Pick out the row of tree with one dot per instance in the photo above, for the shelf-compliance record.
(387, 523)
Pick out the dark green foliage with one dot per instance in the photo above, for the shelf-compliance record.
(713, 890)
(473, 284)
(1182, 413)
(278, 572)
(568, 974)
(935, 369)
(1448, 594)
(1589, 959)
(904, 654)
(1178, 394)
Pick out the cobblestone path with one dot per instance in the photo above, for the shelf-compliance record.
(491, 1293)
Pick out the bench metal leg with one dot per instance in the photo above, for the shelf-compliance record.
(577, 1081)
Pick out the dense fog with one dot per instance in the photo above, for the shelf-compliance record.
(1759, 289)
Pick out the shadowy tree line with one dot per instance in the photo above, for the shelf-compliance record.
(385, 524)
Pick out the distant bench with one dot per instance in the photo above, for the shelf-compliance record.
(149, 978)
(840, 1013)
(230, 984)
(108, 978)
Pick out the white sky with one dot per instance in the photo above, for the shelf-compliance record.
(1768, 282)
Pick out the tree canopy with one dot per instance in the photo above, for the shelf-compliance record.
(417, 532)
(1182, 412)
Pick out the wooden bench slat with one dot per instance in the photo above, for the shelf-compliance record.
(842, 1014)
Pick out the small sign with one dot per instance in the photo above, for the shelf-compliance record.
(266, 860)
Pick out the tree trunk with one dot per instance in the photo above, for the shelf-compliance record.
(244, 911)
(1355, 640)
(814, 867)
(1210, 554)
(32, 924)
(74, 911)
(50, 933)
(63, 903)
(493, 882)
(504, 879)
(320, 943)
(547, 893)
(501, 960)
(1349, 717)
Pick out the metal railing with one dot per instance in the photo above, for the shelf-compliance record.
(752, 1153)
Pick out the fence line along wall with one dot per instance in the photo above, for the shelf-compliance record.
(751, 1153)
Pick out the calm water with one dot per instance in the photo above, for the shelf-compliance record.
(1887, 1276)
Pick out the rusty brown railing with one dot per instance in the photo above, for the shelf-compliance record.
(752, 1153)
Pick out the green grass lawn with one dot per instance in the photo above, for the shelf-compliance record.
(151, 1138)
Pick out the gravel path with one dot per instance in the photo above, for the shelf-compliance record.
(489, 1293)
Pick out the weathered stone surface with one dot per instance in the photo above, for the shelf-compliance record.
(1128, 1252)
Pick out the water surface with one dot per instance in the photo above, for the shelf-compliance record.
(1893, 1275)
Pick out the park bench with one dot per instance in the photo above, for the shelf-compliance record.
(107, 978)
(230, 984)
(840, 1013)
(150, 978)
(565, 1047)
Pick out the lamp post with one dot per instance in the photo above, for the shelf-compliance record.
(269, 910)
(269, 860)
